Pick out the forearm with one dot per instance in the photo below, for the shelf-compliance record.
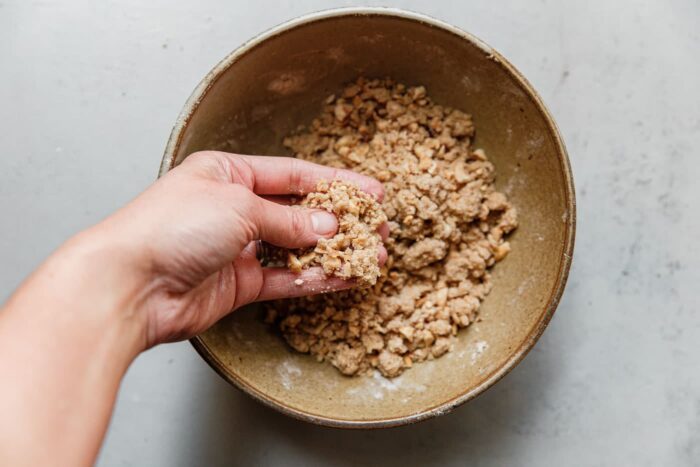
(66, 338)
(165, 267)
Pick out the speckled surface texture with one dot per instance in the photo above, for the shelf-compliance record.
(89, 93)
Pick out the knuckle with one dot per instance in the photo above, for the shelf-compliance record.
(297, 223)
(240, 171)
(200, 157)
(246, 205)
(204, 163)
(296, 175)
(230, 168)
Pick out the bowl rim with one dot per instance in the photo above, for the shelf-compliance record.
(534, 334)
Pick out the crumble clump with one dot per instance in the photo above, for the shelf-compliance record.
(352, 252)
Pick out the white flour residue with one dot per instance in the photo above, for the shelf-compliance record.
(535, 143)
(337, 54)
(514, 182)
(524, 285)
(378, 386)
(471, 83)
(287, 372)
(522, 289)
(479, 348)
(385, 383)
(371, 39)
(287, 83)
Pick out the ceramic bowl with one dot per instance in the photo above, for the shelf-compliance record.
(277, 81)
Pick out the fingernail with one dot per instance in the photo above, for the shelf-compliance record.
(323, 222)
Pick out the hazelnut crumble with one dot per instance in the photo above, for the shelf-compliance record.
(447, 223)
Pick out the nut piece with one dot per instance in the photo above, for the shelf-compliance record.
(501, 251)
(293, 263)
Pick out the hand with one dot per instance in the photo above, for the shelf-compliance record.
(165, 267)
(191, 237)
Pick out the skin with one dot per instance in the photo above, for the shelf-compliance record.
(163, 268)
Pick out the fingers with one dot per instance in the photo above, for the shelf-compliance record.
(287, 175)
(269, 175)
(383, 230)
(294, 227)
(382, 255)
(250, 251)
(249, 277)
(262, 189)
(282, 283)
(291, 227)
(282, 199)
(256, 284)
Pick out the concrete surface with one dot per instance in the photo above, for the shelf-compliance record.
(88, 93)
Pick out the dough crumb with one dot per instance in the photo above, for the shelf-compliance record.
(353, 251)
(448, 227)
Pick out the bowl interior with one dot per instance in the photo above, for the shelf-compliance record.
(260, 94)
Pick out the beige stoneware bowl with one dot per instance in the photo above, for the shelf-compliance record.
(277, 81)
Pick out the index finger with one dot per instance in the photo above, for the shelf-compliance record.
(287, 175)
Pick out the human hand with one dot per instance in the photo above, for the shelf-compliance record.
(191, 238)
(165, 267)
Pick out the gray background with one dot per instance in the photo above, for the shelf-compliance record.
(88, 93)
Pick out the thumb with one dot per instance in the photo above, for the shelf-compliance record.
(292, 226)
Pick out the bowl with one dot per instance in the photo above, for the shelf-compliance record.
(269, 86)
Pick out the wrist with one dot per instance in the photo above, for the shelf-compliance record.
(89, 289)
(71, 331)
